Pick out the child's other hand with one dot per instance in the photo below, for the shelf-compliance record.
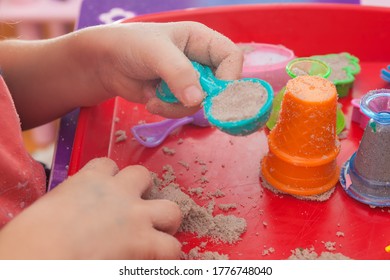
(130, 58)
(96, 214)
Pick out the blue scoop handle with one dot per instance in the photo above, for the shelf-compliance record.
(210, 85)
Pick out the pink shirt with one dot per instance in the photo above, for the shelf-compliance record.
(22, 179)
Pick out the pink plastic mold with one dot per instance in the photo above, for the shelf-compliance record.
(266, 62)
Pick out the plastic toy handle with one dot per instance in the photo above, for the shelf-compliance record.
(207, 80)
(153, 134)
(385, 74)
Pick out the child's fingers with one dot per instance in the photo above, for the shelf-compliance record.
(193, 41)
(166, 215)
(135, 178)
(167, 110)
(165, 247)
(170, 63)
(101, 166)
(211, 48)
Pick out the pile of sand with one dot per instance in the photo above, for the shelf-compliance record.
(194, 254)
(197, 219)
(310, 254)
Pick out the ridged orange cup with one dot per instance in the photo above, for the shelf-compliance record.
(303, 145)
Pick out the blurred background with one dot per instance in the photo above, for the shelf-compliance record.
(38, 19)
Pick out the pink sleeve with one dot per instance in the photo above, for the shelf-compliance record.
(22, 179)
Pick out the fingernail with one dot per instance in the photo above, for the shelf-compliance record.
(192, 96)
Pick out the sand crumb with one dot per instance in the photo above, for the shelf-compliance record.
(218, 193)
(168, 151)
(340, 234)
(227, 206)
(268, 251)
(185, 164)
(203, 180)
(196, 191)
(120, 136)
(329, 245)
(180, 141)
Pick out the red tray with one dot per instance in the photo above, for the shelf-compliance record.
(233, 162)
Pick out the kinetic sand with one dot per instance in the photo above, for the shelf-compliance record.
(240, 100)
(197, 219)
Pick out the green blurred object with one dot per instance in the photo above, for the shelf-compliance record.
(340, 121)
(308, 66)
(275, 109)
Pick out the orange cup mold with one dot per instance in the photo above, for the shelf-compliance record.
(303, 145)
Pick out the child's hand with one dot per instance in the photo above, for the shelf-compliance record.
(129, 60)
(49, 78)
(96, 214)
